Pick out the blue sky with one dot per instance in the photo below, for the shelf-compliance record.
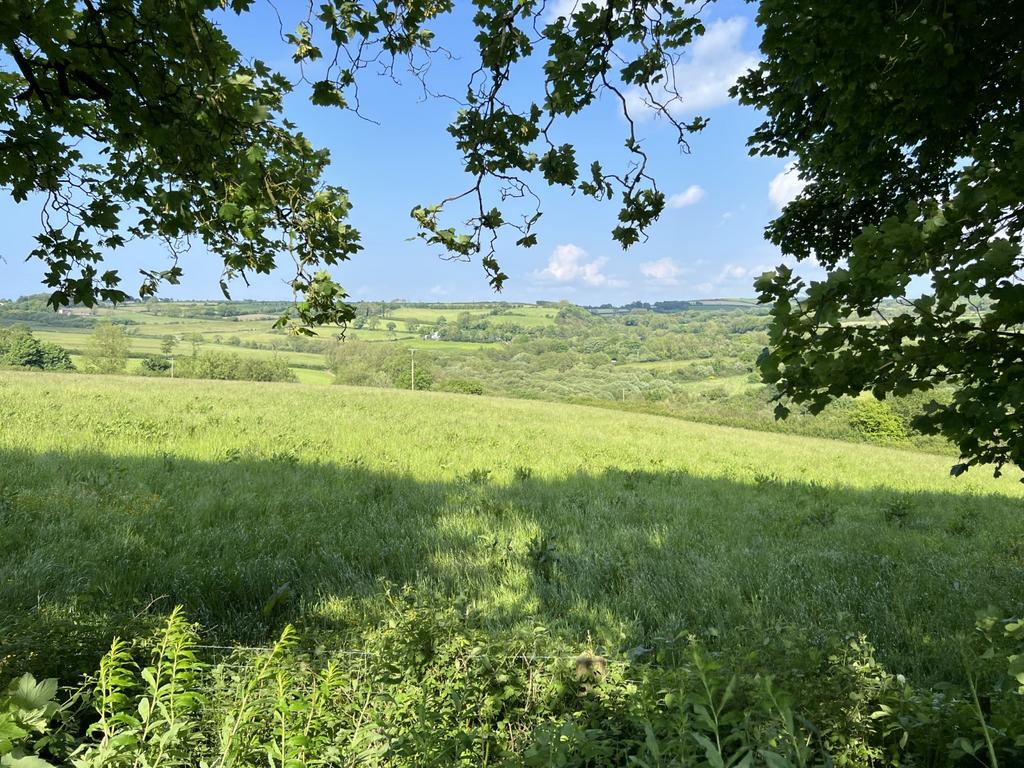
(708, 243)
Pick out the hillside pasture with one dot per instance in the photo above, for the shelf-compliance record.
(608, 529)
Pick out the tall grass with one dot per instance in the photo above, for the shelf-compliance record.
(253, 505)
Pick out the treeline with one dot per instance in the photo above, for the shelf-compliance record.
(35, 311)
(210, 364)
(228, 310)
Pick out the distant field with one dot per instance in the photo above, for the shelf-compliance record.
(431, 314)
(149, 330)
(309, 376)
(528, 317)
(122, 493)
(141, 346)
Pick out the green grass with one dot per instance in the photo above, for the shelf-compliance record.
(120, 497)
(309, 376)
(431, 314)
(527, 317)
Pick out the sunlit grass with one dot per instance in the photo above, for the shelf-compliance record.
(118, 491)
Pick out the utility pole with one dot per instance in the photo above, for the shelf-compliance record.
(412, 363)
(172, 366)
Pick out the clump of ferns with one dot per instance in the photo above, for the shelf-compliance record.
(145, 715)
(270, 708)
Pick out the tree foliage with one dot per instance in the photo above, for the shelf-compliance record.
(108, 349)
(137, 119)
(229, 366)
(20, 349)
(906, 123)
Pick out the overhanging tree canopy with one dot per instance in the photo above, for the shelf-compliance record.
(139, 119)
(907, 124)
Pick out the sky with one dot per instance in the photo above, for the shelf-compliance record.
(709, 242)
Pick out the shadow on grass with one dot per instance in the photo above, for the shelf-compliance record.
(95, 545)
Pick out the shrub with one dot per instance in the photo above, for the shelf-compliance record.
(154, 365)
(876, 421)
(20, 349)
(461, 386)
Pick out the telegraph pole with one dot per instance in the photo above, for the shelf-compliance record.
(412, 363)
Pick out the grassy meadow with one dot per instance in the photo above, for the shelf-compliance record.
(120, 498)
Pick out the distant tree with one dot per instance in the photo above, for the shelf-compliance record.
(167, 344)
(196, 340)
(19, 348)
(906, 124)
(398, 368)
(108, 349)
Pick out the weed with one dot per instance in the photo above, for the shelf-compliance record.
(477, 476)
(964, 525)
(823, 516)
(897, 511)
(542, 555)
(522, 474)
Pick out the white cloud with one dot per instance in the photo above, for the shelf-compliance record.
(704, 74)
(570, 264)
(664, 271)
(565, 8)
(732, 280)
(786, 186)
(739, 272)
(689, 196)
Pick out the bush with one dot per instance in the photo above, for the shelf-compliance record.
(20, 349)
(154, 365)
(876, 421)
(461, 386)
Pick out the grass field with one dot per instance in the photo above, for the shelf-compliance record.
(121, 497)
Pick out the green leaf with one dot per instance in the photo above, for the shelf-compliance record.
(229, 211)
(27, 694)
(25, 761)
